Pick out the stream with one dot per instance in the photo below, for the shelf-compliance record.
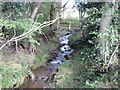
(45, 76)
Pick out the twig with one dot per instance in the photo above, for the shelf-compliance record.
(110, 61)
(62, 6)
(5, 70)
(6, 43)
(6, 18)
(9, 15)
(45, 37)
(33, 30)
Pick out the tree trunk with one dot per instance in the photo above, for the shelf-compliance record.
(105, 31)
(52, 14)
(105, 22)
(32, 47)
(36, 9)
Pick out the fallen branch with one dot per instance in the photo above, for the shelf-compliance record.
(24, 35)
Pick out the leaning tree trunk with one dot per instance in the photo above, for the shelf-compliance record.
(32, 47)
(36, 9)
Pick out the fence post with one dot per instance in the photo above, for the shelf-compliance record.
(69, 24)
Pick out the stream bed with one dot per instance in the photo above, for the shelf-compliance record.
(45, 75)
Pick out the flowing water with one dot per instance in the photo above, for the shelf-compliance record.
(44, 76)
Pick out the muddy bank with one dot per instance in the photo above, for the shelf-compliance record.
(42, 79)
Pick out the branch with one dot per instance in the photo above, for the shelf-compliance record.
(24, 35)
(33, 30)
(62, 6)
(111, 58)
(65, 4)
(110, 61)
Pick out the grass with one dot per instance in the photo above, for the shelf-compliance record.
(81, 72)
(47, 48)
(70, 19)
(15, 67)
(70, 74)
(69, 25)
(12, 73)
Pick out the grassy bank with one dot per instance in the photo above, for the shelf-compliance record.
(82, 69)
(15, 67)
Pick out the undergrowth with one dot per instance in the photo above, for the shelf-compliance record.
(82, 71)
(15, 67)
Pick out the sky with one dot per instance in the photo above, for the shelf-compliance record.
(70, 11)
(71, 2)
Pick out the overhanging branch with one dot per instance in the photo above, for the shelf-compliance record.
(24, 35)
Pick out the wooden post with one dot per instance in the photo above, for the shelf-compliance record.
(69, 25)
